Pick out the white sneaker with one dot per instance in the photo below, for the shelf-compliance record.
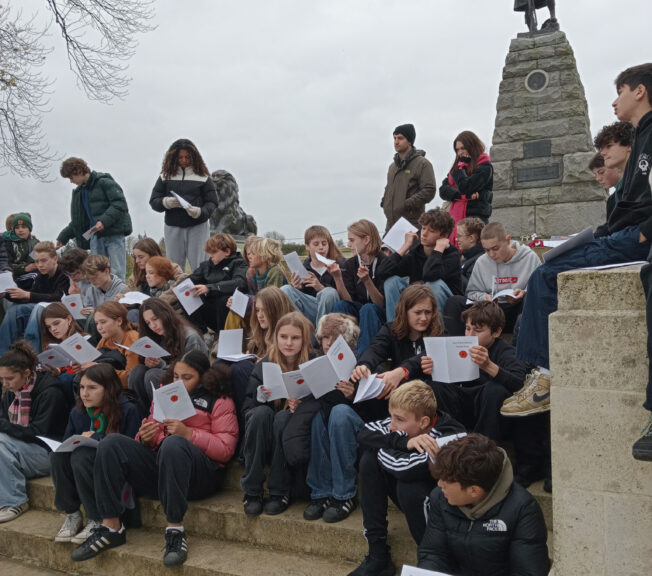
(8, 513)
(86, 532)
(71, 526)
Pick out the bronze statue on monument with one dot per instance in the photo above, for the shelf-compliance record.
(530, 8)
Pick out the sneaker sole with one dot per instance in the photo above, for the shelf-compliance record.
(537, 410)
(64, 539)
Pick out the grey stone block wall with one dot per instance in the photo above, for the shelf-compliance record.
(542, 142)
(602, 497)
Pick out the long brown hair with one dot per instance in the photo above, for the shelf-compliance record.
(105, 375)
(322, 232)
(410, 297)
(363, 228)
(171, 160)
(56, 310)
(174, 339)
(275, 304)
(150, 247)
(474, 147)
(299, 321)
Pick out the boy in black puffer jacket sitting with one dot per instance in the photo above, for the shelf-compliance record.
(480, 521)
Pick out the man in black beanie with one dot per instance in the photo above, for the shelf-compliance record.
(410, 180)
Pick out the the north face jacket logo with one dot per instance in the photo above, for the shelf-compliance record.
(495, 525)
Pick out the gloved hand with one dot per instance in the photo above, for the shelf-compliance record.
(194, 211)
(170, 202)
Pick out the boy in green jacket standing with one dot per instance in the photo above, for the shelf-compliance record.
(99, 214)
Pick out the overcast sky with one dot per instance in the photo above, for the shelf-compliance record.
(298, 100)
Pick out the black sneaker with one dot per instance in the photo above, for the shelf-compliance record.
(375, 567)
(642, 449)
(315, 510)
(253, 505)
(339, 510)
(176, 548)
(276, 505)
(100, 540)
(547, 485)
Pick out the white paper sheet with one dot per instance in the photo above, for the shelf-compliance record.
(172, 402)
(583, 237)
(503, 294)
(229, 346)
(239, 303)
(88, 233)
(451, 358)
(342, 358)
(320, 375)
(296, 267)
(55, 357)
(187, 299)
(77, 441)
(78, 348)
(368, 388)
(134, 298)
(446, 439)
(6, 281)
(324, 260)
(412, 571)
(184, 203)
(283, 385)
(74, 304)
(147, 348)
(51, 444)
(395, 237)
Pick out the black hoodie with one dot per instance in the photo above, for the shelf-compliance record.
(635, 204)
(224, 277)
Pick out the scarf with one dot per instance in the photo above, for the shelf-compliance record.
(458, 207)
(98, 420)
(21, 406)
(11, 236)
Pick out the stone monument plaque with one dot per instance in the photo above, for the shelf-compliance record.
(537, 148)
(537, 173)
(536, 81)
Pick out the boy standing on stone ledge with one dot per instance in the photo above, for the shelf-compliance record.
(628, 233)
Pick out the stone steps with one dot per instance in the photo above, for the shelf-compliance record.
(30, 538)
(15, 568)
(222, 539)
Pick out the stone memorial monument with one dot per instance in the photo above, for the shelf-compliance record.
(542, 142)
(229, 217)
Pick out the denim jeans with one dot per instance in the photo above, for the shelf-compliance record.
(113, 247)
(371, 316)
(395, 285)
(334, 453)
(541, 298)
(21, 319)
(312, 307)
(19, 461)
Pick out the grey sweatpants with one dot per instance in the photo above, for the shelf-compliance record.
(182, 243)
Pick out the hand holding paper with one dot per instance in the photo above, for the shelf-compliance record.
(295, 265)
(396, 235)
(239, 303)
(187, 299)
(74, 304)
(172, 402)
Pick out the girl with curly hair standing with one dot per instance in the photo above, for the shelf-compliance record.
(185, 175)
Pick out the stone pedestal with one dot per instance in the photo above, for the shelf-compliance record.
(542, 143)
(602, 497)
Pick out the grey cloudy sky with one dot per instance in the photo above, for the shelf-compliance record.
(298, 100)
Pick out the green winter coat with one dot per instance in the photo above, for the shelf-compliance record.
(108, 205)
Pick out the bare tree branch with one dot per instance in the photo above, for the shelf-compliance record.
(100, 38)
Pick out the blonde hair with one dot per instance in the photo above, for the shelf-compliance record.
(275, 304)
(268, 250)
(95, 263)
(46, 247)
(299, 321)
(415, 397)
(363, 228)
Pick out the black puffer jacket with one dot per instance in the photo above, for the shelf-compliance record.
(223, 278)
(481, 180)
(508, 539)
(48, 415)
(197, 190)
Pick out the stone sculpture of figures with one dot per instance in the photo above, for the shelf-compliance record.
(530, 7)
(229, 217)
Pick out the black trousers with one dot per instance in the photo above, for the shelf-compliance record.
(177, 472)
(646, 280)
(212, 314)
(477, 407)
(376, 486)
(72, 474)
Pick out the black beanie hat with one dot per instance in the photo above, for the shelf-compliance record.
(408, 131)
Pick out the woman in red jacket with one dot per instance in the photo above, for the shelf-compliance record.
(173, 460)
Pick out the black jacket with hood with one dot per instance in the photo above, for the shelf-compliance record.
(503, 535)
